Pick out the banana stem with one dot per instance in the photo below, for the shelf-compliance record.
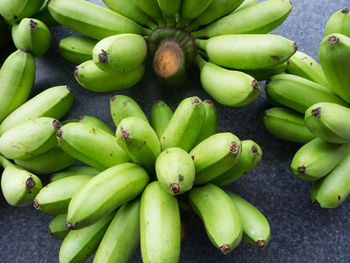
(183, 22)
(191, 27)
(201, 43)
(170, 21)
(200, 62)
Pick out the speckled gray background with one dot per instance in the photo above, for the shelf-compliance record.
(300, 231)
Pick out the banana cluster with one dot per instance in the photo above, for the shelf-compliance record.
(312, 108)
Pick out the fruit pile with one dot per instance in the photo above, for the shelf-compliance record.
(321, 93)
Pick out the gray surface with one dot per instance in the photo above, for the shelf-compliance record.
(300, 231)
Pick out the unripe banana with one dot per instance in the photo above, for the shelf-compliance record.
(334, 54)
(104, 193)
(184, 127)
(316, 159)
(44, 16)
(29, 139)
(264, 74)
(249, 159)
(18, 186)
(219, 215)
(95, 79)
(304, 66)
(160, 226)
(120, 53)
(210, 122)
(96, 122)
(256, 228)
(246, 4)
(79, 245)
(77, 49)
(258, 19)
(339, 22)
(15, 11)
(228, 87)
(123, 107)
(54, 103)
(287, 125)
(32, 35)
(298, 93)
(140, 141)
(17, 78)
(122, 236)
(215, 155)
(92, 20)
(160, 117)
(191, 9)
(248, 51)
(91, 145)
(73, 171)
(152, 9)
(57, 227)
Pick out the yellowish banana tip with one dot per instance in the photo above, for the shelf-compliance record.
(69, 225)
(316, 203)
(33, 25)
(175, 188)
(125, 134)
(316, 112)
(345, 11)
(56, 125)
(225, 249)
(333, 40)
(196, 101)
(254, 150)
(36, 204)
(30, 183)
(301, 170)
(234, 147)
(103, 57)
(261, 244)
(59, 134)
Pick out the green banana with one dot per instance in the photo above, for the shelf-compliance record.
(17, 78)
(44, 16)
(122, 236)
(304, 66)
(16, 10)
(160, 117)
(246, 4)
(95, 79)
(96, 122)
(104, 193)
(227, 148)
(249, 159)
(190, 9)
(91, 145)
(256, 228)
(54, 102)
(339, 22)
(248, 51)
(77, 49)
(57, 227)
(160, 226)
(219, 215)
(79, 245)
(316, 159)
(287, 125)
(29, 139)
(18, 186)
(32, 35)
(152, 9)
(258, 19)
(210, 124)
(329, 121)
(298, 93)
(228, 87)
(264, 74)
(184, 127)
(73, 171)
(92, 20)
(120, 53)
(333, 189)
(334, 54)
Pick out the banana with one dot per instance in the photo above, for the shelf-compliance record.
(190, 9)
(140, 141)
(333, 189)
(15, 11)
(57, 227)
(160, 117)
(215, 155)
(304, 66)
(18, 186)
(298, 93)
(44, 16)
(184, 127)
(91, 145)
(95, 79)
(246, 4)
(249, 159)
(92, 20)
(219, 215)
(152, 9)
(73, 171)
(228, 87)
(120, 53)
(210, 122)
(17, 78)
(334, 54)
(264, 74)
(77, 49)
(160, 226)
(79, 245)
(287, 125)
(339, 22)
(316, 159)
(32, 35)
(104, 193)
(256, 228)
(29, 139)
(54, 102)
(248, 51)
(122, 236)
(96, 122)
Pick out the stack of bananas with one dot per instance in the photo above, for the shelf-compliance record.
(322, 94)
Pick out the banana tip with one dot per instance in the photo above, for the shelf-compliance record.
(30, 183)
(103, 57)
(295, 47)
(33, 25)
(81, 118)
(268, 81)
(255, 85)
(333, 40)
(225, 249)
(234, 147)
(301, 170)
(69, 89)
(196, 101)
(261, 244)
(254, 150)
(59, 134)
(36, 204)
(317, 203)
(25, 50)
(113, 98)
(69, 225)
(76, 72)
(125, 134)
(316, 112)
(345, 11)
(208, 102)
(56, 125)
(175, 188)
(158, 101)
(50, 233)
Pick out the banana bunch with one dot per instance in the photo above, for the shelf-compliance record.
(312, 108)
